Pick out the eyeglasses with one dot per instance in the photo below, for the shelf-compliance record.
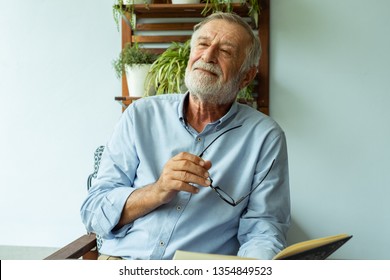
(230, 200)
(221, 193)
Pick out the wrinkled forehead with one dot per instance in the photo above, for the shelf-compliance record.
(225, 32)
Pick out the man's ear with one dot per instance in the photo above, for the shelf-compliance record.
(249, 76)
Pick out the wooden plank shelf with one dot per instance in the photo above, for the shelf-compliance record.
(180, 10)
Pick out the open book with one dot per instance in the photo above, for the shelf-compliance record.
(314, 249)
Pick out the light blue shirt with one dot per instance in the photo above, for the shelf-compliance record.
(153, 130)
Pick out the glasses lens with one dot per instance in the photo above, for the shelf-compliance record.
(224, 196)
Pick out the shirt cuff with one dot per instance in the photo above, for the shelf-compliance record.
(110, 212)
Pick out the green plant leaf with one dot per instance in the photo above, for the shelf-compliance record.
(167, 72)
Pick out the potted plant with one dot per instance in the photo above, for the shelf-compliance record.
(167, 73)
(135, 62)
(245, 95)
(226, 6)
(121, 7)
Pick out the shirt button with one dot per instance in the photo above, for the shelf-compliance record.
(178, 208)
(199, 139)
(162, 243)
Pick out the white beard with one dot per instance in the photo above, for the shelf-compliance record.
(209, 88)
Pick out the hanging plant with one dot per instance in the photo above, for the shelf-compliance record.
(226, 6)
(123, 7)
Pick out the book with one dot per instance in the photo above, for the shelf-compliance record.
(314, 249)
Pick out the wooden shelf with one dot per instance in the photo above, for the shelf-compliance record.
(125, 101)
(180, 10)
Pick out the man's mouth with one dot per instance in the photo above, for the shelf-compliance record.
(206, 71)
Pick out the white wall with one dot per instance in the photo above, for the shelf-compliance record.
(57, 105)
(329, 62)
(330, 91)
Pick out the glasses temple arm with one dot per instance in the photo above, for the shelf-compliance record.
(265, 176)
(201, 154)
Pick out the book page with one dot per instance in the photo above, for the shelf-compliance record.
(310, 244)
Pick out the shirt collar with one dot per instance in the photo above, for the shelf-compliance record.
(184, 101)
(181, 108)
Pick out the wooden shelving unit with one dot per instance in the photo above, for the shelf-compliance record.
(172, 21)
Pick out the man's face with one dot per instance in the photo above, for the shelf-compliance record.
(213, 70)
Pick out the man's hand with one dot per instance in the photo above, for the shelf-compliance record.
(180, 173)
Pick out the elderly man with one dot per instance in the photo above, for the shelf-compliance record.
(196, 171)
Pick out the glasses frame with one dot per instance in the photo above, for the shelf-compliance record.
(221, 193)
(228, 198)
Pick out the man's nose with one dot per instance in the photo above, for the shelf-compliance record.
(210, 54)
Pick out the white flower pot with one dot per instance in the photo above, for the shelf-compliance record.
(136, 79)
